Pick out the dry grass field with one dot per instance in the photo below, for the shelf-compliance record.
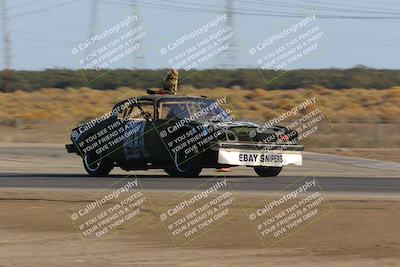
(360, 117)
(350, 105)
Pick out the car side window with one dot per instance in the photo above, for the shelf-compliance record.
(140, 111)
(173, 110)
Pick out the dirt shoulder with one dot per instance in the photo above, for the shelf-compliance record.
(384, 154)
(37, 231)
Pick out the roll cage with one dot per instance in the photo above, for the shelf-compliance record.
(154, 100)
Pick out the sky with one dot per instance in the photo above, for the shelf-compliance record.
(355, 32)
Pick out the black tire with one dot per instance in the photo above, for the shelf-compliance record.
(191, 171)
(267, 171)
(97, 166)
(189, 168)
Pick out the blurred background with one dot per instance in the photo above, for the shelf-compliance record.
(354, 72)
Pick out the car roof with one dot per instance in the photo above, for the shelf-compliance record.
(156, 98)
(161, 97)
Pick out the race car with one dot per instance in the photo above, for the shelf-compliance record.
(181, 135)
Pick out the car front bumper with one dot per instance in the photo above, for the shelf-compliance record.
(259, 155)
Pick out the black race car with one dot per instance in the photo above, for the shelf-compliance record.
(182, 135)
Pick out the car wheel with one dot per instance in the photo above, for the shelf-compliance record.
(97, 166)
(191, 171)
(191, 168)
(267, 171)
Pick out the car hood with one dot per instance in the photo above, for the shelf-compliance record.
(235, 124)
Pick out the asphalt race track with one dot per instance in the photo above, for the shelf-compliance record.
(49, 166)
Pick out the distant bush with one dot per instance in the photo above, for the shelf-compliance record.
(358, 77)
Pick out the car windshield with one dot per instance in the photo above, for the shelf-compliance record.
(197, 109)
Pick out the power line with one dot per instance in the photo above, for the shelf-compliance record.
(201, 8)
(26, 4)
(337, 7)
(44, 9)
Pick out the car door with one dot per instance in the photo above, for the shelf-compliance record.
(170, 113)
(137, 122)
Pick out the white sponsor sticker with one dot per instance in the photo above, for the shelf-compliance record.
(272, 158)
